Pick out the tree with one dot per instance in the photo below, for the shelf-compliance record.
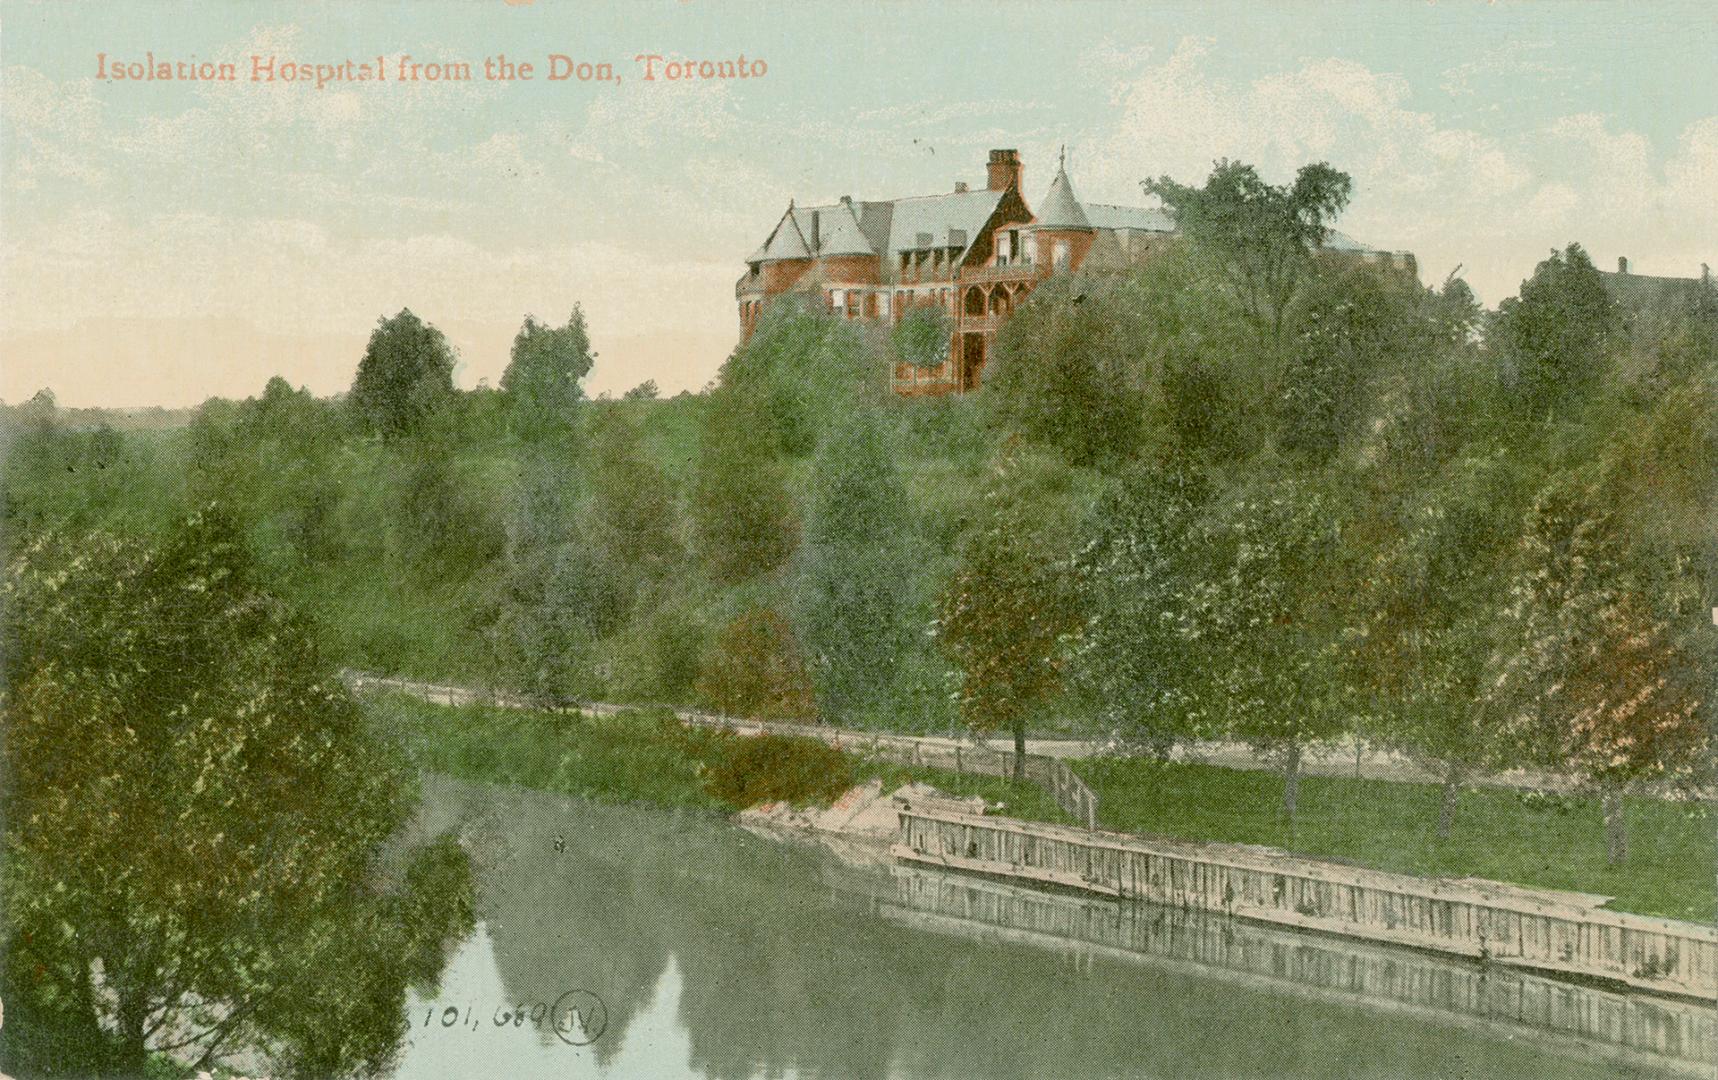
(1258, 237)
(443, 526)
(800, 372)
(743, 518)
(197, 816)
(1424, 631)
(644, 391)
(921, 338)
(632, 503)
(406, 375)
(557, 592)
(1557, 331)
(542, 379)
(1129, 661)
(1263, 619)
(756, 670)
(1072, 369)
(853, 574)
(1592, 680)
(1350, 325)
(1003, 616)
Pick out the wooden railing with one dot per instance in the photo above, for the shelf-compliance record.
(1052, 774)
(1014, 272)
(1559, 932)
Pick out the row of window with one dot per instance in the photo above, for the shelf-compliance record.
(873, 304)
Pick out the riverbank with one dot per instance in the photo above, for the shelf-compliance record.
(798, 784)
(1526, 838)
(648, 756)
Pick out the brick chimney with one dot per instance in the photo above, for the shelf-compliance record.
(1004, 170)
(1622, 264)
(960, 187)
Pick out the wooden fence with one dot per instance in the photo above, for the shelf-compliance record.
(1565, 933)
(1633, 1030)
(1064, 785)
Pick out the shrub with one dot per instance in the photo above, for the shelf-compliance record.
(775, 768)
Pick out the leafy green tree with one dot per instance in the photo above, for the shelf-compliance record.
(1591, 678)
(633, 512)
(921, 338)
(744, 520)
(801, 371)
(644, 391)
(1558, 331)
(1003, 615)
(1264, 618)
(1076, 375)
(853, 575)
(557, 592)
(443, 525)
(1130, 660)
(406, 375)
(1421, 644)
(196, 819)
(543, 376)
(1351, 324)
(1258, 238)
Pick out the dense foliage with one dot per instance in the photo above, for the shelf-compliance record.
(406, 375)
(1255, 489)
(195, 821)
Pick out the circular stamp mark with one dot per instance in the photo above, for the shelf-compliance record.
(579, 1017)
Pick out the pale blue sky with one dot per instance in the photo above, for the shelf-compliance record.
(167, 241)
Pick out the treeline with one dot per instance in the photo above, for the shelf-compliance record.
(1339, 505)
(1254, 490)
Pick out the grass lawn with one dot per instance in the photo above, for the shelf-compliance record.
(1550, 842)
(1020, 800)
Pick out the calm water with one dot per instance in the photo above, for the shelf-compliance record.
(717, 953)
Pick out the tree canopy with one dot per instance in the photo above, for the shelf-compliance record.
(542, 380)
(1259, 236)
(405, 376)
(196, 818)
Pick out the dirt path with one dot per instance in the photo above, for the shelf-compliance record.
(1335, 760)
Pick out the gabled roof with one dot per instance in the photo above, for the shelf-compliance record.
(838, 233)
(1104, 216)
(786, 242)
(885, 228)
(951, 220)
(1060, 209)
(1340, 241)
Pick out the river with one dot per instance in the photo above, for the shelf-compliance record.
(678, 945)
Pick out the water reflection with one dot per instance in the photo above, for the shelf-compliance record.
(724, 955)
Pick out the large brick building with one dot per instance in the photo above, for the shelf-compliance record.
(975, 253)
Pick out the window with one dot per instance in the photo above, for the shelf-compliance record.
(1004, 247)
(1060, 258)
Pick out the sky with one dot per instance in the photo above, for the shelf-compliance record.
(162, 242)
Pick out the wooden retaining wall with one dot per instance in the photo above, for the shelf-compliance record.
(1632, 1029)
(1565, 933)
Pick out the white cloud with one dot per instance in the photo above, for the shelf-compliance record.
(1450, 193)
